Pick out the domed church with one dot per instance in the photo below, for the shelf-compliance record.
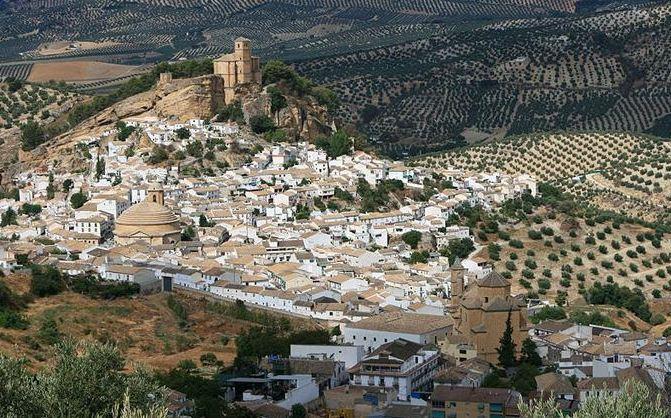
(149, 221)
(481, 309)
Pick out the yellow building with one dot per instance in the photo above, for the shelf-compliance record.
(149, 221)
(480, 311)
(470, 402)
(237, 68)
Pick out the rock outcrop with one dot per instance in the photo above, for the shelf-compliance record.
(181, 100)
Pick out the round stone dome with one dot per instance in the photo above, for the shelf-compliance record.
(147, 213)
(147, 221)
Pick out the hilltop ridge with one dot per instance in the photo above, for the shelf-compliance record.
(179, 101)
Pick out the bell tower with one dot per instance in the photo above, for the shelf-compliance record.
(456, 285)
(155, 196)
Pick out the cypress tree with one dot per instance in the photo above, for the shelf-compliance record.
(506, 349)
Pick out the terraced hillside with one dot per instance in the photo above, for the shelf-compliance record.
(605, 71)
(415, 76)
(141, 30)
(553, 254)
(622, 172)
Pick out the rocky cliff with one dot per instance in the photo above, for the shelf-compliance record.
(179, 100)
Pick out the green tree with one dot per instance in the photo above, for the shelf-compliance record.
(205, 391)
(261, 123)
(277, 99)
(46, 281)
(188, 234)
(183, 133)
(326, 97)
(203, 222)
(87, 380)
(32, 135)
(100, 167)
(336, 145)
(412, 238)
(67, 185)
(195, 149)
(31, 209)
(51, 189)
(275, 71)
(123, 130)
(529, 353)
(633, 401)
(506, 350)
(78, 199)
(298, 411)
(8, 218)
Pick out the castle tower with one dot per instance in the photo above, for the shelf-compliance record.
(243, 49)
(156, 196)
(239, 67)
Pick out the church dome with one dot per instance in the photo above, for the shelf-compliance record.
(147, 221)
(147, 213)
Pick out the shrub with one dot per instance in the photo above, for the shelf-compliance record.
(515, 243)
(261, 123)
(412, 238)
(657, 319)
(548, 312)
(546, 230)
(46, 281)
(535, 235)
(531, 264)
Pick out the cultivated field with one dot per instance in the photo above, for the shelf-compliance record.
(616, 171)
(570, 255)
(78, 71)
(603, 72)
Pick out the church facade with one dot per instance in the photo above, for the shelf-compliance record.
(480, 311)
(239, 67)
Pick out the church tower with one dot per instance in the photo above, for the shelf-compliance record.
(456, 286)
(156, 196)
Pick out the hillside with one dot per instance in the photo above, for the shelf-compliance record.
(603, 71)
(178, 101)
(145, 328)
(146, 29)
(415, 76)
(615, 171)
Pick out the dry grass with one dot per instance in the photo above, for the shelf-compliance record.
(78, 71)
(145, 329)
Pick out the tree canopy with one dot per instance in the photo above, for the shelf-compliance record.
(335, 145)
(32, 135)
(86, 381)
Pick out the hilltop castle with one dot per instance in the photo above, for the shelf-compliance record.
(237, 68)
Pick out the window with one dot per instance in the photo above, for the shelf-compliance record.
(496, 407)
